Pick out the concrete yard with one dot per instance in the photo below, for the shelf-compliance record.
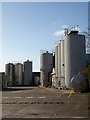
(36, 102)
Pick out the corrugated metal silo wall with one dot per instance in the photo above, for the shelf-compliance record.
(19, 74)
(74, 56)
(59, 64)
(62, 65)
(46, 66)
(28, 73)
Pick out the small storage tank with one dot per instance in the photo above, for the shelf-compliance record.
(62, 65)
(18, 74)
(56, 64)
(79, 83)
(10, 74)
(28, 73)
(74, 55)
(59, 64)
(46, 66)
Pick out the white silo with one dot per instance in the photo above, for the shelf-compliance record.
(28, 73)
(18, 74)
(62, 65)
(56, 64)
(46, 66)
(74, 55)
(59, 64)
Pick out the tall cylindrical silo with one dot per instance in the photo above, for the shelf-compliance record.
(56, 65)
(7, 73)
(28, 73)
(46, 66)
(3, 82)
(74, 56)
(59, 64)
(62, 65)
(10, 72)
(18, 74)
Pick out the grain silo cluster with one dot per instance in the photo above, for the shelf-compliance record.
(70, 59)
(19, 74)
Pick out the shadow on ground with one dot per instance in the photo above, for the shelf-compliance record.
(15, 89)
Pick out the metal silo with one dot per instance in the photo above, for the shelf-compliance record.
(9, 72)
(59, 64)
(46, 66)
(74, 55)
(56, 65)
(62, 65)
(28, 73)
(12, 74)
(3, 82)
(18, 74)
